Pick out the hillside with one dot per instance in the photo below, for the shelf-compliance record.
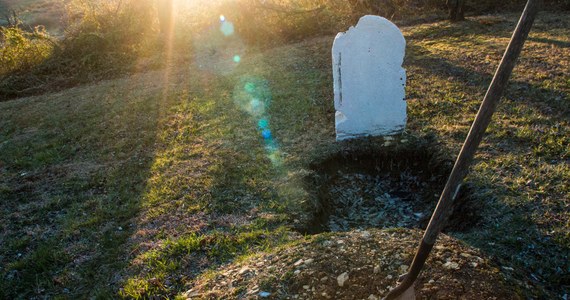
(158, 183)
(35, 12)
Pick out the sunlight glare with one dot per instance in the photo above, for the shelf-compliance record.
(253, 95)
(263, 123)
(227, 28)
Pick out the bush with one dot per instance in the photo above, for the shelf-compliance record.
(21, 50)
(103, 39)
(105, 36)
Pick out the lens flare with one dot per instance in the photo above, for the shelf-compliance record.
(222, 18)
(275, 158)
(263, 124)
(266, 134)
(227, 28)
(217, 52)
(253, 95)
(249, 87)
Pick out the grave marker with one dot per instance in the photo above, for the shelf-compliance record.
(369, 80)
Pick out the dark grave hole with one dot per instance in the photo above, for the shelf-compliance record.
(383, 188)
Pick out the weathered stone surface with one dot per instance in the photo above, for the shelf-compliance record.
(369, 80)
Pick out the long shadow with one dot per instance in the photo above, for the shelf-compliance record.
(463, 29)
(514, 240)
(518, 90)
(210, 177)
(74, 170)
(558, 43)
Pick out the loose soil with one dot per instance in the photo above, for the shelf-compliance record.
(371, 259)
(383, 187)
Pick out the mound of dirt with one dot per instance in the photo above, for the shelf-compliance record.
(356, 265)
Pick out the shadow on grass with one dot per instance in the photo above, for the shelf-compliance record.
(512, 236)
(558, 43)
(209, 180)
(543, 99)
(74, 168)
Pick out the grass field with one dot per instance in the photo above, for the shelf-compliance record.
(134, 187)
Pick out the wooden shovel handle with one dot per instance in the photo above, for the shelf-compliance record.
(474, 137)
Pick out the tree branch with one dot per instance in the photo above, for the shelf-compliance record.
(278, 8)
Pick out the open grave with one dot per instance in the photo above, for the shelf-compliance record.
(395, 183)
(383, 187)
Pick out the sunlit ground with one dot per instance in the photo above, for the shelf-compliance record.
(139, 185)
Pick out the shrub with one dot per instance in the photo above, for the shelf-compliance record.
(106, 35)
(21, 50)
(102, 39)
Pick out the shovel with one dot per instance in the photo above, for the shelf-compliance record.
(405, 289)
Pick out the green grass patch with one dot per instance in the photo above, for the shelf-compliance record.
(136, 186)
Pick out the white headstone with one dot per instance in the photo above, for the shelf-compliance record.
(369, 80)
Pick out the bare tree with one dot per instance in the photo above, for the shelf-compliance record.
(381, 7)
(456, 10)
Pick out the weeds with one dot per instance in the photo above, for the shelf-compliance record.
(106, 39)
(145, 182)
(21, 51)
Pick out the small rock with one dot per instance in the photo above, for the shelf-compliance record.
(192, 294)
(342, 278)
(297, 272)
(306, 287)
(264, 294)
(366, 234)
(298, 263)
(404, 268)
(451, 265)
(324, 279)
(309, 261)
(243, 270)
(372, 297)
(376, 269)
(431, 281)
